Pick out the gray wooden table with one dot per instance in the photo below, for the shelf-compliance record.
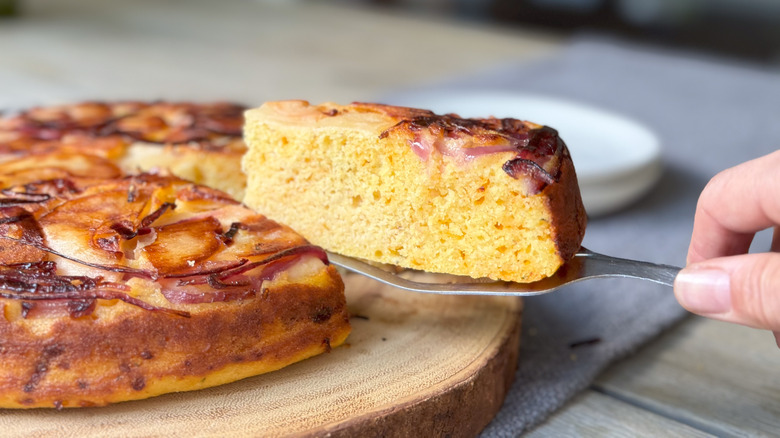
(700, 378)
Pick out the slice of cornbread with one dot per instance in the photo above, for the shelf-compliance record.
(489, 197)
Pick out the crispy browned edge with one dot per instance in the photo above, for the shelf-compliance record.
(569, 218)
(210, 340)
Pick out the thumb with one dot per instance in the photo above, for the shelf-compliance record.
(744, 289)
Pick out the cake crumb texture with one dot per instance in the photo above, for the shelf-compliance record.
(407, 187)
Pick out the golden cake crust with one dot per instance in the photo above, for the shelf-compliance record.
(116, 288)
(480, 197)
(140, 353)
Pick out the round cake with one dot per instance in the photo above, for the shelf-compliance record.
(117, 285)
(196, 141)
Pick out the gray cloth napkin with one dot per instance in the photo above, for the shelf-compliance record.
(709, 115)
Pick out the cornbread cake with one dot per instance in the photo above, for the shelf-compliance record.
(118, 285)
(200, 142)
(128, 287)
(491, 197)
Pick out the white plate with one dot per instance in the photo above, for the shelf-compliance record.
(617, 159)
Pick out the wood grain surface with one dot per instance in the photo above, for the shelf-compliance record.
(593, 414)
(717, 377)
(414, 365)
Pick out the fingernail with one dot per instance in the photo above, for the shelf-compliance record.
(703, 290)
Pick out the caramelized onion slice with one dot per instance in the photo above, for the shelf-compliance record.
(101, 294)
(38, 281)
(110, 268)
(180, 245)
(237, 282)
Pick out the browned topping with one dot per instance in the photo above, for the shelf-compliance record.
(322, 315)
(451, 126)
(518, 167)
(34, 282)
(32, 237)
(160, 122)
(227, 238)
(538, 150)
(184, 254)
(194, 193)
(42, 367)
(43, 190)
(21, 198)
(232, 282)
(124, 227)
(79, 308)
(139, 383)
(132, 192)
(396, 112)
(26, 308)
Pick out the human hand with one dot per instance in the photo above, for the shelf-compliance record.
(721, 280)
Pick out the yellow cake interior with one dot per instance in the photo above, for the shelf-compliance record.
(343, 188)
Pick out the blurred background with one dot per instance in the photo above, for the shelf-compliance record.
(254, 50)
(747, 29)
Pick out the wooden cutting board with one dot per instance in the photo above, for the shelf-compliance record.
(414, 365)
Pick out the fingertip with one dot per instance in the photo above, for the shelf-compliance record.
(704, 290)
(743, 289)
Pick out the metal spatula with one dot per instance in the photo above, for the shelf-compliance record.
(584, 265)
